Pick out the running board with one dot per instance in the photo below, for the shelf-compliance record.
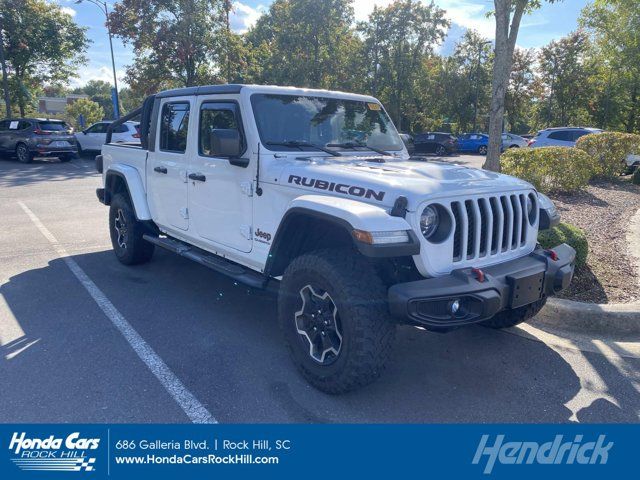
(214, 262)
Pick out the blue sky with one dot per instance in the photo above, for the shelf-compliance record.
(551, 22)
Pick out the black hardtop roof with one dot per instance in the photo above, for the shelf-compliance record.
(202, 90)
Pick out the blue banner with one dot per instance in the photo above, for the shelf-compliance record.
(318, 451)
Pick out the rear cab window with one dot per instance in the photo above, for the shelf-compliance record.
(174, 127)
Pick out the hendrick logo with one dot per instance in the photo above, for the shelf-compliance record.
(353, 190)
(53, 453)
(554, 452)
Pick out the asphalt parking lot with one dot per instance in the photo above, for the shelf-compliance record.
(63, 359)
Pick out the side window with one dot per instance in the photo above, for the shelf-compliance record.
(97, 128)
(13, 125)
(579, 133)
(215, 116)
(560, 135)
(4, 125)
(23, 125)
(121, 129)
(174, 126)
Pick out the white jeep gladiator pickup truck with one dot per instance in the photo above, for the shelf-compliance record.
(313, 192)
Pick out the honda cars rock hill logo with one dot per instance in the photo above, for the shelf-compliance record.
(555, 452)
(59, 454)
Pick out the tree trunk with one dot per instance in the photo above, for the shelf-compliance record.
(5, 78)
(505, 43)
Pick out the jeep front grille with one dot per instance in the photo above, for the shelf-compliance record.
(489, 226)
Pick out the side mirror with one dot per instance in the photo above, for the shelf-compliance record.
(84, 131)
(225, 142)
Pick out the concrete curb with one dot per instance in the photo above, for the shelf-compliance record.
(622, 318)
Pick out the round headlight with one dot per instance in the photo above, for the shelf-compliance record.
(428, 221)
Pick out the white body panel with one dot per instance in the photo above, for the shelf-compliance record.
(363, 192)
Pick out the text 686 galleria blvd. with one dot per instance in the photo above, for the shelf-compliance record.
(214, 444)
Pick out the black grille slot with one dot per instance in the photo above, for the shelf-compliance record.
(525, 220)
(517, 221)
(504, 245)
(471, 227)
(484, 226)
(455, 208)
(493, 202)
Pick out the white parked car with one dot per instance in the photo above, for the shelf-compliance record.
(92, 138)
(509, 140)
(314, 193)
(560, 136)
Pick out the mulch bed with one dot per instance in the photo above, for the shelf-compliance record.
(603, 211)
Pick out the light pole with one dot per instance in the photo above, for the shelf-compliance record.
(103, 7)
(475, 101)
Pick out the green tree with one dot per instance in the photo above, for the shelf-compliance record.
(41, 44)
(521, 91)
(306, 43)
(396, 41)
(614, 25)
(90, 110)
(176, 43)
(565, 75)
(100, 92)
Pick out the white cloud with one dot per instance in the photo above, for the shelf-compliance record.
(98, 72)
(68, 11)
(244, 16)
(471, 15)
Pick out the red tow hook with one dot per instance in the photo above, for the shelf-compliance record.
(552, 254)
(479, 274)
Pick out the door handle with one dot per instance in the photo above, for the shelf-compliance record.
(160, 170)
(198, 177)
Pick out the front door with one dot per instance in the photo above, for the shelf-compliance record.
(220, 193)
(167, 166)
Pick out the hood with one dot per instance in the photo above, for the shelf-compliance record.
(381, 183)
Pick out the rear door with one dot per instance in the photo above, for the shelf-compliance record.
(464, 142)
(220, 194)
(4, 135)
(167, 165)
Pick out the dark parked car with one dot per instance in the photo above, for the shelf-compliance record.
(435, 142)
(37, 137)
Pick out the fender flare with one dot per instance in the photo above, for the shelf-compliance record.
(135, 189)
(348, 215)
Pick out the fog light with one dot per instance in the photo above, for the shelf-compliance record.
(454, 307)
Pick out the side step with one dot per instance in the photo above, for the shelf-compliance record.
(214, 262)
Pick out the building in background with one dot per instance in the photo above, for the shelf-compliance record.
(57, 105)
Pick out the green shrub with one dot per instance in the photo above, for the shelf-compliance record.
(549, 169)
(636, 177)
(609, 151)
(569, 234)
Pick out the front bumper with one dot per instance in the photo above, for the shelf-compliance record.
(430, 302)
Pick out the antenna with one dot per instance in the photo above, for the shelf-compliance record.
(258, 188)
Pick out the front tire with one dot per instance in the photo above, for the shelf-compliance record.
(511, 318)
(333, 313)
(482, 150)
(23, 154)
(126, 233)
(441, 151)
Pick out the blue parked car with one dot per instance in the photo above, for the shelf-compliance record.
(473, 142)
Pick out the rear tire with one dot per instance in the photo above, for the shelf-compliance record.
(482, 150)
(441, 151)
(23, 154)
(126, 233)
(65, 158)
(333, 313)
(511, 318)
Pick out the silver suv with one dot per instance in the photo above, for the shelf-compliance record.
(560, 136)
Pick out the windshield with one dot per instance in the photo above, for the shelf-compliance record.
(338, 123)
(54, 126)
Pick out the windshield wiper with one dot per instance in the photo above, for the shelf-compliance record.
(354, 145)
(299, 144)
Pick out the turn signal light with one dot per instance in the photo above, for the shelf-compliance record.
(379, 238)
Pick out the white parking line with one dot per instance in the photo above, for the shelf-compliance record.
(196, 412)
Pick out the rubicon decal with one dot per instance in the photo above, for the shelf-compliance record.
(353, 190)
(68, 454)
